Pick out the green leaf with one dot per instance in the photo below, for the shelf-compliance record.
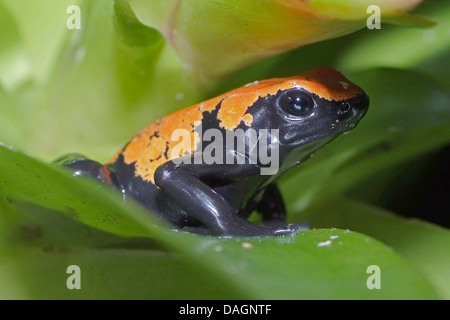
(27, 180)
(49, 221)
(422, 244)
(35, 198)
(317, 264)
(43, 243)
(362, 9)
(422, 50)
(411, 21)
(238, 31)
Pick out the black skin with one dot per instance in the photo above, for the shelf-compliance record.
(218, 198)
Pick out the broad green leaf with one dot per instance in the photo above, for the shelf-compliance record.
(242, 32)
(423, 50)
(109, 273)
(239, 32)
(409, 20)
(317, 264)
(35, 198)
(49, 220)
(423, 244)
(41, 244)
(25, 180)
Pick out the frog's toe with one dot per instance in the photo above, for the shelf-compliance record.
(292, 229)
(304, 226)
(197, 230)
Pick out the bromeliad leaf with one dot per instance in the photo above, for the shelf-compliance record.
(242, 32)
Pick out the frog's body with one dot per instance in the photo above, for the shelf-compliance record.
(194, 187)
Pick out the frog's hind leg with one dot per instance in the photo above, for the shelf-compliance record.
(273, 211)
(81, 166)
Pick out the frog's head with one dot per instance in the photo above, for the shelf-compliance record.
(317, 106)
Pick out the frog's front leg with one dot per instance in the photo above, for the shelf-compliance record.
(184, 183)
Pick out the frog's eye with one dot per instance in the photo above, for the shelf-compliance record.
(296, 102)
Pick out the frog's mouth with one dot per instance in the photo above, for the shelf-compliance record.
(313, 141)
(325, 137)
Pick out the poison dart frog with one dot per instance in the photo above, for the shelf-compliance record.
(206, 168)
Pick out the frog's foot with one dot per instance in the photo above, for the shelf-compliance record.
(251, 231)
(248, 229)
(280, 224)
(292, 229)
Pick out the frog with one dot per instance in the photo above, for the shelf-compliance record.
(213, 188)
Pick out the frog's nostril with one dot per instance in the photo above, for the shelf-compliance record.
(344, 108)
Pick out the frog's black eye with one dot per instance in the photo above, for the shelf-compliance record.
(296, 102)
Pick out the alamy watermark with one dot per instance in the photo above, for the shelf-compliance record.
(374, 280)
(374, 21)
(74, 280)
(239, 146)
(73, 21)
